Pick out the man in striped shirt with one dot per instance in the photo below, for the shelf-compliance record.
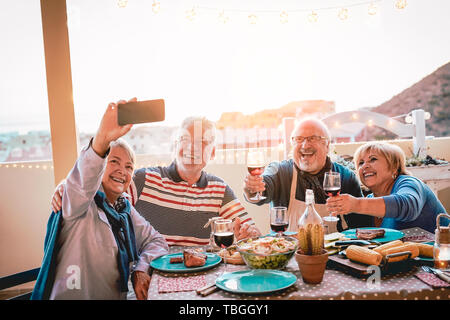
(178, 200)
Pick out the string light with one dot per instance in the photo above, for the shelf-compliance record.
(370, 123)
(156, 6)
(372, 10)
(190, 14)
(252, 18)
(223, 18)
(283, 17)
(354, 116)
(313, 17)
(122, 3)
(343, 14)
(401, 4)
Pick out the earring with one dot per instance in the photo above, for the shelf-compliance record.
(394, 176)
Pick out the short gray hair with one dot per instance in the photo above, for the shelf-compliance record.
(206, 126)
(124, 145)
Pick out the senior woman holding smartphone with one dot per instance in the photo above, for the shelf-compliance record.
(99, 234)
(398, 199)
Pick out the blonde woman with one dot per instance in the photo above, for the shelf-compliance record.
(398, 199)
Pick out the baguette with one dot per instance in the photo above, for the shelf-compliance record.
(411, 247)
(363, 255)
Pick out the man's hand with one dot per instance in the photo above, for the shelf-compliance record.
(243, 231)
(141, 282)
(253, 184)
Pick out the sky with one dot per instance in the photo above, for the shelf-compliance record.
(206, 67)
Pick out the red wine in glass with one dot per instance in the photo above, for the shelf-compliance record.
(224, 239)
(279, 227)
(331, 192)
(255, 171)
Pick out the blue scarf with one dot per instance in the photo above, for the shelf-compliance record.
(122, 227)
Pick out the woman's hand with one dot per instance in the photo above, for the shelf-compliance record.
(342, 204)
(57, 196)
(109, 129)
(141, 282)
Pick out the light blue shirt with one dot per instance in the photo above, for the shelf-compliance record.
(411, 204)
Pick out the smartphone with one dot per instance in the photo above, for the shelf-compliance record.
(141, 112)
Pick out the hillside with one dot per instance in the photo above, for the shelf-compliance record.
(432, 94)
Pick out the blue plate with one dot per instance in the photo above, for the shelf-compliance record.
(163, 263)
(255, 281)
(389, 234)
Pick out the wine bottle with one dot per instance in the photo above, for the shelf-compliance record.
(311, 228)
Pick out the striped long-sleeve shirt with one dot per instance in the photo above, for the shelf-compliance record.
(178, 210)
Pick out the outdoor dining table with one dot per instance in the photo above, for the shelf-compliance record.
(337, 284)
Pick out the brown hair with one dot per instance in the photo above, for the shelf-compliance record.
(393, 154)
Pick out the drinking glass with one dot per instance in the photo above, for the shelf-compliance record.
(278, 220)
(332, 187)
(223, 235)
(255, 166)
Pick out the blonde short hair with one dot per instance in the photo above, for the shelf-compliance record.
(393, 154)
(124, 145)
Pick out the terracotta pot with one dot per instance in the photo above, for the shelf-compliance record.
(312, 268)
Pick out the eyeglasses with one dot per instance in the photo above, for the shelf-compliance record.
(310, 139)
(187, 140)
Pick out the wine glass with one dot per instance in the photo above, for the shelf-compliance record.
(278, 220)
(223, 235)
(332, 187)
(255, 166)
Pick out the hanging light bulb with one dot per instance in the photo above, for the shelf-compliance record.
(336, 124)
(408, 119)
(427, 115)
(283, 17)
(190, 14)
(223, 18)
(313, 17)
(354, 116)
(252, 19)
(156, 6)
(343, 14)
(370, 122)
(401, 4)
(122, 3)
(372, 10)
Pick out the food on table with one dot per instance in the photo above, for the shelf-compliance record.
(363, 255)
(369, 234)
(411, 247)
(176, 260)
(335, 236)
(267, 252)
(311, 239)
(383, 247)
(232, 255)
(193, 258)
(425, 250)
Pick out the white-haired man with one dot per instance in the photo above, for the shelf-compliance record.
(284, 183)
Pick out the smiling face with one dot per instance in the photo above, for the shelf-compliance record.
(118, 173)
(375, 172)
(310, 156)
(193, 149)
